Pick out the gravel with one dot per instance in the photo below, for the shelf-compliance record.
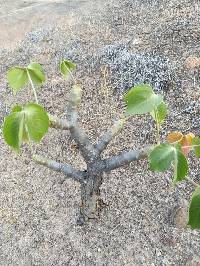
(140, 225)
(128, 69)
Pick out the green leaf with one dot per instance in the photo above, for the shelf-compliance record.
(196, 146)
(66, 66)
(194, 210)
(141, 99)
(12, 128)
(162, 157)
(36, 73)
(16, 108)
(159, 114)
(36, 120)
(180, 165)
(17, 78)
(29, 123)
(25, 135)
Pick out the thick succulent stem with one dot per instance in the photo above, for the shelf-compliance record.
(68, 170)
(120, 160)
(55, 122)
(109, 135)
(84, 144)
(91, 202)
(90, 179)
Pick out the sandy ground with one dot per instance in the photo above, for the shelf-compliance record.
(19, 17)
(144, 223)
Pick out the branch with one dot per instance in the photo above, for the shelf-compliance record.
(66, 169)
(122, 159)
(58, 123)
(74, 100)
(109, 135)
(84, 144)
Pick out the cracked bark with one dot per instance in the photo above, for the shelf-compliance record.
(91, 178)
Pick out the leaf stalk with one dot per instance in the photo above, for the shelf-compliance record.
(32, 85)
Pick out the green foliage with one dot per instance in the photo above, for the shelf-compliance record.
(16, 108)
(36, 73)
(18, 77)
(161, 157)
(66, 67)
(180, 165)
(36, 121)
(31, 122)
(159, 114)
(141, 100)
(164, 155)
(12, 130)
(194, 210)
(26, 123)
(196, 146)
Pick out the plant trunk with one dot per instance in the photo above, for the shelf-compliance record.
(90, 199)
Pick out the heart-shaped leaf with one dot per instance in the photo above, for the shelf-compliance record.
(196, 146)
(162, 157)
(37, 121)
(17, 78)
(12, 130)
(36, 73)
(159, 114)
(30, 122)
(66, 66)
(194, 210)
(141, 100)
(16, 108)
(180, 165)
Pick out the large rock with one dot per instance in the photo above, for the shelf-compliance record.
(129, 68)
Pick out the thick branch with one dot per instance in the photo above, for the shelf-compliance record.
(84, 144)
(74, 100)
(122, 159)
(109, 135)
(58, 123)
(66, 169)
